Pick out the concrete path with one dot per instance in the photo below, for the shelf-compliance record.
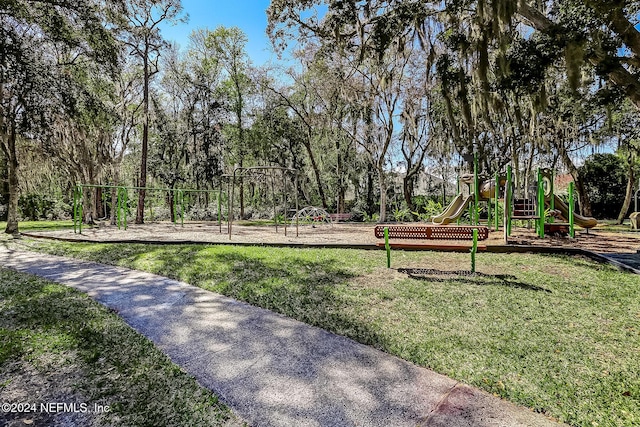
(272, 370)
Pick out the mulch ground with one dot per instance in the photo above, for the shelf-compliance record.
(595, 240)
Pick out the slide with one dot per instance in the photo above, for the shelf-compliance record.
(455, 209)
(582, 221)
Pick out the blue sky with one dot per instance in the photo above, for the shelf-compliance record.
(248, 15)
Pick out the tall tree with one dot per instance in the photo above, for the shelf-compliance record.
(34, 36)
(145, 42)
(229, 45)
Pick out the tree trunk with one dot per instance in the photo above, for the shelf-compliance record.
(88, 205)
(12, 160)
(145, 140)
(241, 192)
(100, 211)
(316, 173)
(383, 193)
(370, 193)
(5, 183)
(114, 194)
(629, 193)
(340, 206)
(407, 190)
(114, 206)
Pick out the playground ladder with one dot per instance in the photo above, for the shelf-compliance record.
(524, 209)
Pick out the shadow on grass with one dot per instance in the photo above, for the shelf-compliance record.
(50, 327)
(293, 284)
(468, 277)
(301, 288)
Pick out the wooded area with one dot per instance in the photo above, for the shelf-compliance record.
(377, 94)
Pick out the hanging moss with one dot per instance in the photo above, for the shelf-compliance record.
(574, 58)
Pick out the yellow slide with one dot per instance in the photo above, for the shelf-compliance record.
(582, 221)
(454, 211)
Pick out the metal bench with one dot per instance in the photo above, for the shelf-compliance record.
(340, 217)
(432, 232)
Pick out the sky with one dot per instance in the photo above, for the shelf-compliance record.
(248, 15)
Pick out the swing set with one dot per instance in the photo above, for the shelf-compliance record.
(180, 197)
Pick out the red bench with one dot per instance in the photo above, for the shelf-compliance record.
(432, 232)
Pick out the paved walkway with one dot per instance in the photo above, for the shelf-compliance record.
(272, 370)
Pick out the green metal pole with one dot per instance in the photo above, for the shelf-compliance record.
(182, 208)
(476, 183)
(552, 198)
(474, 249)
(75, 208)
(540, 205)
(457, 192)
(507, 201)
(387, 247)
(80, 214)
(497, 196)
(572, 231)
(125, 206)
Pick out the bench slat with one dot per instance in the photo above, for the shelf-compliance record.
(429, 232)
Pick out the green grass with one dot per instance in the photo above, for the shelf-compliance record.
(57, 345)
(612, 227)
(557, 334)
(40, 225)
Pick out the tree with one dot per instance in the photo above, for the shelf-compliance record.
(145, 42)
(605, 184)
(128, 102)
(80, 137)
(186, 145)
(495, 61)
(229, 47)
(623, 132)
(601, 33)
(31, 51)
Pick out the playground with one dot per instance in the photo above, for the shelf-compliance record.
(511, 216)
(526, 327)
(342, 234)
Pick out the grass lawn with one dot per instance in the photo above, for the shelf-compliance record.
(59, 346)
(40, 225)
(611, 226)
(557, 334)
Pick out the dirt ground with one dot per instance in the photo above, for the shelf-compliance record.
(594, 240)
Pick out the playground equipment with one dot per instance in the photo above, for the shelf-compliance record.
(241, 172)
(479, 190)
(179, 198)
(122, 201)
(460, 204)
(533, 206)
(313, 214)
(530, 206)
